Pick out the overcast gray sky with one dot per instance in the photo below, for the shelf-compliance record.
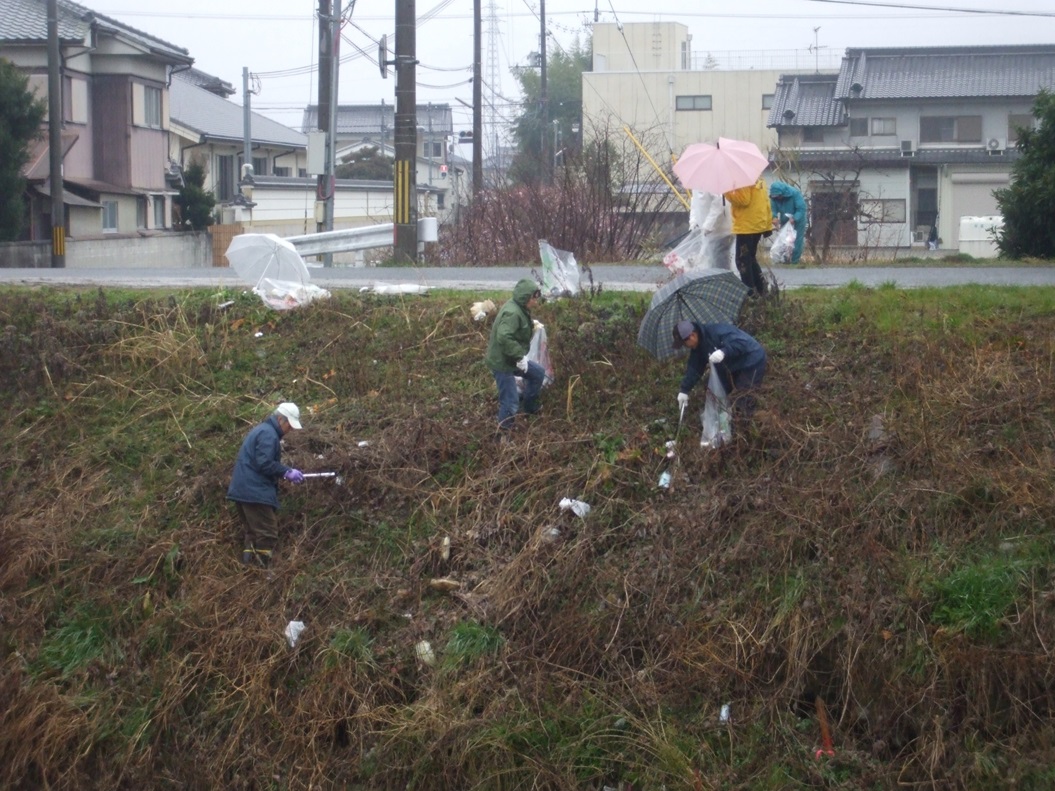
(278, 39)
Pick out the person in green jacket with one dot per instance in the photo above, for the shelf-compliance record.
(507, 352)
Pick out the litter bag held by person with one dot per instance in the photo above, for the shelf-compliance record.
(715, 416)
(538, 352)
(783, 248)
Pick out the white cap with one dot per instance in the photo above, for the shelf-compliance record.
(290, 412)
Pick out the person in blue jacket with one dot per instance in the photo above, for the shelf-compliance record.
(254, 483)
(788, 203)
(738, 359)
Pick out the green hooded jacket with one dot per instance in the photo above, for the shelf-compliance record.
(511, 332)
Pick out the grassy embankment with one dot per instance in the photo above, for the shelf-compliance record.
(880, 540)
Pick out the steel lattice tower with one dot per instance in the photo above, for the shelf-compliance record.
(491, 117)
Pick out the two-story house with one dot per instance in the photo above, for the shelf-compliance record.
(373, 125)
(209, 128)
(903, 141)
(115, 83)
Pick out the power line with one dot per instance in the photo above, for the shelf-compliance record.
(916, 7)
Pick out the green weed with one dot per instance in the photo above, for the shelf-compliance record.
(85, 635)
(974, 599)
(468, 642)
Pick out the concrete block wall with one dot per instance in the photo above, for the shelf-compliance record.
(162, 251)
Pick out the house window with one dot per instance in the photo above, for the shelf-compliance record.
(152, 107)
(858, 127)
(109, 216)
(950, 129)
(813, 134)
(692, 103)
(1014, 124)
(283, 172)
(74, 100)
(888, 210)
(159, 211)
(259, 166)
(225, 177)
(141, 212)
(302, 173)
(439, 200)
(884, 126)
(767, 101)
(433, 149)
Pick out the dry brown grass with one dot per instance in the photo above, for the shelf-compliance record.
(796, 564)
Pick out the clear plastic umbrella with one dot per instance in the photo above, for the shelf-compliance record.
(259, 256)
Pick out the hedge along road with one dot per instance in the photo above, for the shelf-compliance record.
(611, 277)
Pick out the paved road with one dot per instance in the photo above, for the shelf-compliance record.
(610, 277)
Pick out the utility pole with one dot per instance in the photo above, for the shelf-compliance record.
(478, 136)
(327, 98)
(429, 143)
(58, 207)
(247, 146)
(547, 171)
(331, 122)
(405, 208)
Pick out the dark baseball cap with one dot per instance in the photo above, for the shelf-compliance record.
(682, 331)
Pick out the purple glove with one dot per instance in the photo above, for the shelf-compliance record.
(294, 476)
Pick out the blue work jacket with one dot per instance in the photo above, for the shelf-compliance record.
(258, 467)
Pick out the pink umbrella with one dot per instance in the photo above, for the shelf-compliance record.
(727, 165)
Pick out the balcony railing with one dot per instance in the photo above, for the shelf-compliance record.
(826, 59)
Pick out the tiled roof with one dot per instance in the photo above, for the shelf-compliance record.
(806, 100)
(946, 72)
(366, 119)
(216, 118)
(206, 81)
(27, 21)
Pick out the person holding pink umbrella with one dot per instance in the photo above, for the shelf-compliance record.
(733, 168)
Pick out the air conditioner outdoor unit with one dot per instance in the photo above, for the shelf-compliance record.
(995, 145)
(908, 148)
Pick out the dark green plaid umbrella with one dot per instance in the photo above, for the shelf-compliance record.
(706, 296)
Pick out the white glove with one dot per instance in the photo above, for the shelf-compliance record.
(522, 363)
(717, 356)
(683, 399)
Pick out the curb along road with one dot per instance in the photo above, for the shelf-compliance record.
(643, 278)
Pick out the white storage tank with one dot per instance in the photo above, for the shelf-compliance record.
(978, 235)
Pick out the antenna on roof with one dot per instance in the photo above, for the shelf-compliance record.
(816, 50)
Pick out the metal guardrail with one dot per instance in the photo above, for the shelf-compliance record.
(364, 238)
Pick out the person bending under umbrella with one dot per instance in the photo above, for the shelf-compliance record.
(738, 359)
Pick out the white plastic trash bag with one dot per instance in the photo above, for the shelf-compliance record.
(293, 630)
(716, 417)
(560, 272)
(394, 288)
(687, 254)
(285, 294)
(538, 352)
(577, 507)
(783, 246)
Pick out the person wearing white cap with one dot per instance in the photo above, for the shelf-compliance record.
(254, 482)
